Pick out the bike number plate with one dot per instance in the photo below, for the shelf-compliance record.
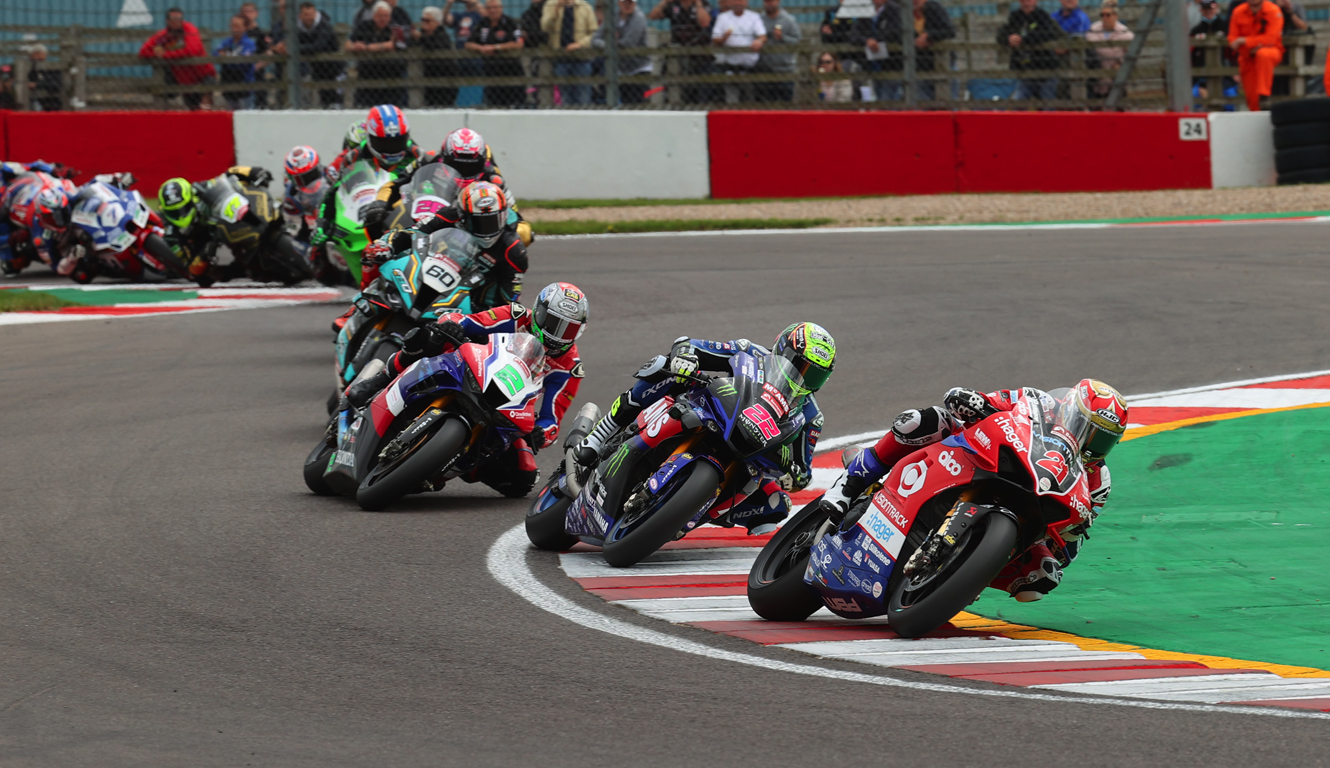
(426, 206)
(141, 217)
(440, 275)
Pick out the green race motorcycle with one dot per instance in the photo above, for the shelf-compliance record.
(347, 238)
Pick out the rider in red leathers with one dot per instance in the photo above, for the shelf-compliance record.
(558, 318)
(1101, 415)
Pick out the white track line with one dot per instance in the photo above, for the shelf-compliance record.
(506, 562)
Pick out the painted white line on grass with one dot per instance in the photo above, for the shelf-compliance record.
(506, 562)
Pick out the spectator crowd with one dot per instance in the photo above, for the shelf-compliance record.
(749, 37)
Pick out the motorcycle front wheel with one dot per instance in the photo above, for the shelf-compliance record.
(316, 465)
(290, 261)
(669, 517)
(776, 588)
(925, 601)
(159, 250)
(386, 484)
(545, 518)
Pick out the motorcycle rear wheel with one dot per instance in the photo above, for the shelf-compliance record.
(545, 518)
(289, 260)
(958, 581)
(379, 489)
(776, 588)
(661, 528)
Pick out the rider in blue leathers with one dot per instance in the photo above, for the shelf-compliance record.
(807, 345)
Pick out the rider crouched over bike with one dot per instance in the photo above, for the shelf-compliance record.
(807, 346)
(482, 211)
(187, 229)
(1095, 414)
(558, 318)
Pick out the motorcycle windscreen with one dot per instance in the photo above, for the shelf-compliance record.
(772, 394)
(514, 371)
(360, 185)
(433, 186)
(1054, 453)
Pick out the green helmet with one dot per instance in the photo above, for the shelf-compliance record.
(176, 201)
(810, 349)
(355, 135)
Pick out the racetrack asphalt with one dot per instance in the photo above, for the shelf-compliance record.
(170, 593)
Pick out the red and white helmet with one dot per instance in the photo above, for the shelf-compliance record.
(484, 211)
(1096, 416)
(560, 316)
(387, 134)
(303, 168)
(52, 209)
(465, 151)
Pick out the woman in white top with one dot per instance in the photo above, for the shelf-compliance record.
(1108, 28)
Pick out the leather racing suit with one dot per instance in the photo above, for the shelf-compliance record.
(194, 244)
(760, 511)
(1037, 570)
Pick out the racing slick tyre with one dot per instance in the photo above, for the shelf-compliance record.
(316, 464)
(389, 482)
(925, 601)
(1302, 158)
(1308, 176)
(546, 515)
(159, 250)
(1300, 111)
(1302, 135)
(670, 516)
(776, 588)
(290, 261)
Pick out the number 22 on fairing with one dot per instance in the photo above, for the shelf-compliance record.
(759, 416)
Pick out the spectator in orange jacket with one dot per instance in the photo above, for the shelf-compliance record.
(180, 40)
(1256, 32)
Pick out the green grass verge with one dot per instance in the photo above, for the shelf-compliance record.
(645, 201)
(583, 227)
(23, 300)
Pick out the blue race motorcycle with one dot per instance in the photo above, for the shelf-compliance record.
(683, 463)
(115, 234)
(443, 417)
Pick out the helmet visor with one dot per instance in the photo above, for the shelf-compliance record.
(56, 218)
(814, 375)
(389, 148)
(307, 181)
(487, 225)
(469, 167)
(556, 332)
(1095, 435)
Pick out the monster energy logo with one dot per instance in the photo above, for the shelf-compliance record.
(616, 463)
(725, 389)
(786, 455)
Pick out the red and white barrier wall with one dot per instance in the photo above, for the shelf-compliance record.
(620, 155)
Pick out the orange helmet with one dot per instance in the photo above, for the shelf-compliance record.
(484, 211)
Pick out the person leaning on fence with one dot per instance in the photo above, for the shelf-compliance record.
(249, 11)
(45, 84)
(238, 44)
(180, 40)
(432, 35)
(1212, 26)
(932, 24)
(741, 31)
(632, 34)
(782, 29)
(690, 26)
(1025, 34)
(400, 16)
(1108, 28)
(315, 35)
(832, 91)
(570, 25)
(495, 34)
(379, 35)
(1256, 32)
(874, 33)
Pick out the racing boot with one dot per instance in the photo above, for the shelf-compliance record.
(363, 390)
(843, 493)
(771, 506)
(338, 322)
(621, 414)
(513, 474)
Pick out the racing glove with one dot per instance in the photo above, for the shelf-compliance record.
(374, 214)
(966, 405)
(683, 360)
(259, 177)
(376, 253)
(320, 234)
(542, 437)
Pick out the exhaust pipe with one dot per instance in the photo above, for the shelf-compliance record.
(582, 426)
